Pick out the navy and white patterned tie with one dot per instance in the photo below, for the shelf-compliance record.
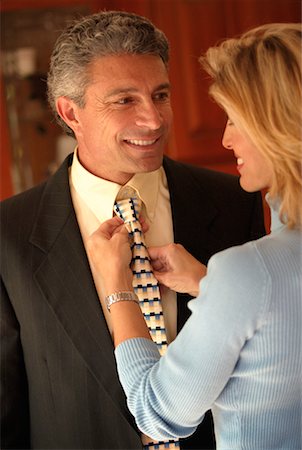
(146, 288)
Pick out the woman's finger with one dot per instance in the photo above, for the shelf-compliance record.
(144, 225)
(109, 227)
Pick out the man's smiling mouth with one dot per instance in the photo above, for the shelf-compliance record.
(140, 142)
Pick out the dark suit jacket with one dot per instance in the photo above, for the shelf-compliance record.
(58, 374)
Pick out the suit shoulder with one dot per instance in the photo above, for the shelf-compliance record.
(19, 211)
(28, 197)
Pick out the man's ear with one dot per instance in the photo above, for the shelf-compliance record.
(66, 109)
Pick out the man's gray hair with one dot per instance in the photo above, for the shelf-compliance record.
(101, 34)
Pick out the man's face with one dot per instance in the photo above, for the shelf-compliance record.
(125, 124)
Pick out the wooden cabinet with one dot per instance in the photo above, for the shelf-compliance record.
(29, 137)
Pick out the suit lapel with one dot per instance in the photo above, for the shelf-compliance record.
(65, 281)
(187, 194)
(192, 231)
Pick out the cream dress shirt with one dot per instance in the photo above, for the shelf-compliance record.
(93, 199)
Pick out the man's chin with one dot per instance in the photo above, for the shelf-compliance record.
(150, 164)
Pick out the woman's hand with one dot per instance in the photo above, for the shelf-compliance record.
(176, 268)
(109, 252)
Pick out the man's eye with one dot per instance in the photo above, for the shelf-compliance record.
(124, 101)
(162, 96)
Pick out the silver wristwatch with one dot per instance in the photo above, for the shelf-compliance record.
(128, 296)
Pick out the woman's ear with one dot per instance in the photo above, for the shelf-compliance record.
(66, 109)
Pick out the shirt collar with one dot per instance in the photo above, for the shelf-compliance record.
(100, 194)
(146, 185)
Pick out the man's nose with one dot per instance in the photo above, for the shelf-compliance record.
(149, 116)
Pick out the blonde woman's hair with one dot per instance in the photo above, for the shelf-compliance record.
(257, 80)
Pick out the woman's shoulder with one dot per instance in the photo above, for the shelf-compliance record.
(252, 269)
(244, 260)
(239, 275)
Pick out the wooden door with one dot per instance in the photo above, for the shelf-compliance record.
(192, 26)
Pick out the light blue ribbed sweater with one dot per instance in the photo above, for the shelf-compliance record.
(239, 353)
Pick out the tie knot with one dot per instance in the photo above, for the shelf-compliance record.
(128, 209)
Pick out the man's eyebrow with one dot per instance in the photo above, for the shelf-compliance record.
(130, 90)
(163, 86)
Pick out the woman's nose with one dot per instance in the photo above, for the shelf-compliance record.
(226, 138)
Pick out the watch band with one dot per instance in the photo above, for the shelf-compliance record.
(127, 296)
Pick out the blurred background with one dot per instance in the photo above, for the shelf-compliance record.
(32, 145)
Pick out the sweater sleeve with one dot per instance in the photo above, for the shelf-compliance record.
(169, 396)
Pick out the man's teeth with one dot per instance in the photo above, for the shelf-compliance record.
(139, 142)
(239, 161)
